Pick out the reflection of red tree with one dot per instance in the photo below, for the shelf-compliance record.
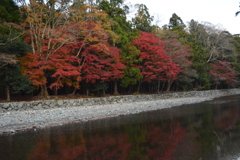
(162, 144)
(227, 120)
(41, 151)
(61, 149)
(108, 147)
(75, 147)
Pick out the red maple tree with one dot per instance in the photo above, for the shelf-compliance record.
(61, 52)
(180, 54)
(222, 72)
(59, 64)
(102, 64)
(156, 65)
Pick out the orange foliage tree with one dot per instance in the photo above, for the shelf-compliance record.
(99, 61)
(63, 43)
(50, 34)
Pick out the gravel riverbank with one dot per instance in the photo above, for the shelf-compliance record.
(15, 121)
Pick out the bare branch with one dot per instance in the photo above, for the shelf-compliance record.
(3, 65)
(214, 38)
(7, 59)
(9, 40)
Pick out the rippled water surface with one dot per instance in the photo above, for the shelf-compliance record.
(203, 131)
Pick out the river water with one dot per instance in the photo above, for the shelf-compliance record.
(203, 131)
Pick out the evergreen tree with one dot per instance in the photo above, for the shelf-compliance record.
(117, 11)
(142, 20)
(210, 45)
(177, 26)
(176, 22)
(11, 79)
(9, 11)
(11, 48)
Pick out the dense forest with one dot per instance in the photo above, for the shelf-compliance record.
(94, 47)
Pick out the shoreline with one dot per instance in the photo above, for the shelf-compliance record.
(18, 121)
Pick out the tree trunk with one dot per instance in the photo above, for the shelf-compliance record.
(55, 91)
(44, 92)
(115, 92)
(163, 85)
(169, 86)
(8, 92)
(139, 87)
(7, 87)
(158, 87)
(129, 89)
(150, 87)
(177, 86)
(74, 91)
(87, 91)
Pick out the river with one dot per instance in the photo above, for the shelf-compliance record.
(204, 131)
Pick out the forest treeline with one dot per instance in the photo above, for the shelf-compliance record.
(94, 47)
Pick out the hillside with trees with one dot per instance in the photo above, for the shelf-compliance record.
(85, 48)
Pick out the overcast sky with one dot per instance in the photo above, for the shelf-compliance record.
(214, 11)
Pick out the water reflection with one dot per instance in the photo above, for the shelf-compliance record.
(206, 131)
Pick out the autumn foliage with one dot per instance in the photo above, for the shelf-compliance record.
(66, 54)
(156, 65)
(222, 72)
(162, 144)
(59, 66)
(101, 62)
(78, 47)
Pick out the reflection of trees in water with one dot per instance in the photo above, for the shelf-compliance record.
(202, 134)
(205, 134)
(137, 136)
(59, 147)
(163, 141)
(217, 129)
(72, 147)
(108, 147)
(228, 119)
(137, 142)
(227, 129)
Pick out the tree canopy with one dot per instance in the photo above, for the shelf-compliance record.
(84, 46)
